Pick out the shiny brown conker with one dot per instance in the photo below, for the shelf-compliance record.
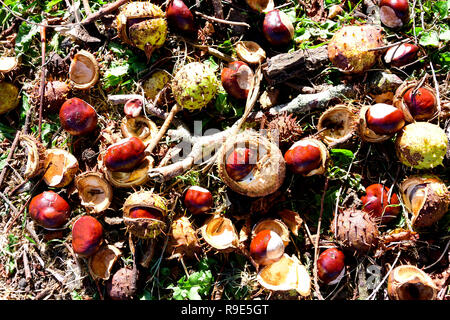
(49, 210)
(330, 265)
(240, 162)
(376, 203)
(237, 79)
(303, 157)
(87, 236)
(179, 15)
(394, 13)
(198, 200)
(277, 28)
(125, 154)
(384, 119)
(401, 55)
(145, 212)
(421, 103)
(77, 117)
(266, 247)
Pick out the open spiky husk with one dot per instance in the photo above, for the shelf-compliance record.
(408, 282)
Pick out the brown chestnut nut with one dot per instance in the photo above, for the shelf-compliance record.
(198, 200)
(77, 117)
(179, 15)
(376, 203)
(384, 119)
(237, 79)
(266, 247)
(330, 265)
(303, 157)
(145, 212)
(49, 210)
(125, 154)
(87, 236)
(277, 28)
(240, 162)
(401, 55)
(421, 103)
(394, 13)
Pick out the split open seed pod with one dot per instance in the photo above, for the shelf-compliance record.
(144, 214)
(102, 262)
(8, 64)
(127, 179)
(268, 167)
(155, 83)
(410, 283)
(60, 167)
(84, 70)
(183, 239)
(284, 275)
(142, 24)
(337, 124)
(367, 134)
(426, 197)
(274, 225)
(250, 52)
(140, 127)
(295, 160)
(94, 191)
(261, 5)
(35, 155)
(430, 101)
(220, 233)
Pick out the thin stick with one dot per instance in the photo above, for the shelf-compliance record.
(10, 154)
(175, 109)
(232, 23)
(372, 295)
(436, 87)
(316, 244)
(42, 86)
(389, 45)
(440, 258)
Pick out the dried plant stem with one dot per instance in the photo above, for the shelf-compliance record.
(372, 295)
(9, 157)
(42, 85)
(232, 23)
(316, 244)
(162, 131)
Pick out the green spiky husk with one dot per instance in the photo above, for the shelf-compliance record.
(194, 86)
(421, 145)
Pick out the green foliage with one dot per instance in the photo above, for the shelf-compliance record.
(196, 286)
(124, 69)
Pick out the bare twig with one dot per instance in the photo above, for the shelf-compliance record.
(232, 23)
(9, 157)
(372, 295)
(316, 244)
(42, 85)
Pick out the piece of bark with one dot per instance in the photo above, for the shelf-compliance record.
(290, 65)
(304, 103)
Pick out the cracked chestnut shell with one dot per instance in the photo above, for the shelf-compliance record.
(84, 70)
(330, 265)
(394, 13)
(143, 25)
(376, 202)
(144, 214)
(78, 117)
(125, 154)
(277, 28)
(87, 236)
(49, 210)
(264, 171)
(337, 123)
(426, 197)
(179, 15)
(408, 282)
